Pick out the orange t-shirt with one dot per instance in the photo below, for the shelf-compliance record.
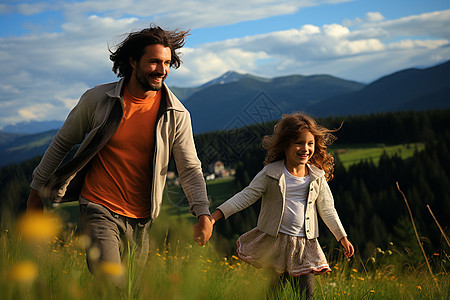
(120, 174)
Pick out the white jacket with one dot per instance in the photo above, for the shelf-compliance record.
(270, 184)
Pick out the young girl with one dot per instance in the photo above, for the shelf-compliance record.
(293, 186)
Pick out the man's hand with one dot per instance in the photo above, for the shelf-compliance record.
(35, 201)
(203, 229)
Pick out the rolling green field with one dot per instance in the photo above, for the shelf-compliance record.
(354, 154)
(221, 189)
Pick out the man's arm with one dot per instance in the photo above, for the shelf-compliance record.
(191, 178)
(71, 133)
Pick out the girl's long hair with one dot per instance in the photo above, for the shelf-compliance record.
(288, 129)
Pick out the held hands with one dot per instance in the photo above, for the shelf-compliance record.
(203, 229)
(348, 247)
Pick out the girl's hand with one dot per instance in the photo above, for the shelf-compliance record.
(348, 247)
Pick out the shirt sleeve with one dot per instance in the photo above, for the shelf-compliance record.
(189, 167)
(327, 211)
(70, 134)
(246, 197)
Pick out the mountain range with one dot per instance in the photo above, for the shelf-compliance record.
(248, 99)
(235, 100)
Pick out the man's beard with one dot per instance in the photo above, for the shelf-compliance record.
(144, 82)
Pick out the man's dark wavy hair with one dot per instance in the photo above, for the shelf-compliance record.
(134, 46)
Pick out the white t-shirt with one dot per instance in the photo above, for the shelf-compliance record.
(293, 222)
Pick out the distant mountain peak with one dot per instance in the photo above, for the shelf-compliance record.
(227, 77)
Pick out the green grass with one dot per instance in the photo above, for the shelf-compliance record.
(350, 155)
(179, 269)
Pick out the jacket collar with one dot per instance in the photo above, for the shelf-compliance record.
(172, 101)
(275, 170)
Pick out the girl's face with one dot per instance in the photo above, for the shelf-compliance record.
(300, 150)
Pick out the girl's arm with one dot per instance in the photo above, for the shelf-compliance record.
(327, 211)
(246, 197)
(216, 216)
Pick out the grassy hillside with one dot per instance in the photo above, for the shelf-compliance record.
(353, 154)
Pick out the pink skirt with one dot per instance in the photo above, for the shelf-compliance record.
(284, 253)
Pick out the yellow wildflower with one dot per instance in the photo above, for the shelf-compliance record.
(354, 270)
(111, 268)
(235, 257)
(23, 272)
(84, 241)
(372, 291)
(418, 287)
(38, 226)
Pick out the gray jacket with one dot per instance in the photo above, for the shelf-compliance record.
(93, 121)
(270, 184)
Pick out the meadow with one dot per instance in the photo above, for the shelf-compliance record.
(51, 265)
(43, 257)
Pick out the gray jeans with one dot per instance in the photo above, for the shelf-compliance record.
(112, 235)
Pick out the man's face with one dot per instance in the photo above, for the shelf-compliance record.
(153, 67)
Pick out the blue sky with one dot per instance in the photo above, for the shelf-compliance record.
(52, 51)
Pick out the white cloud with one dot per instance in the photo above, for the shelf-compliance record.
(374, 17)
(32, 9)
(194, 13)
(374, 44)
(427, 24)
(370, 17)
(335, 30)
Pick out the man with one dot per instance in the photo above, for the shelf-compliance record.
(127, 131)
